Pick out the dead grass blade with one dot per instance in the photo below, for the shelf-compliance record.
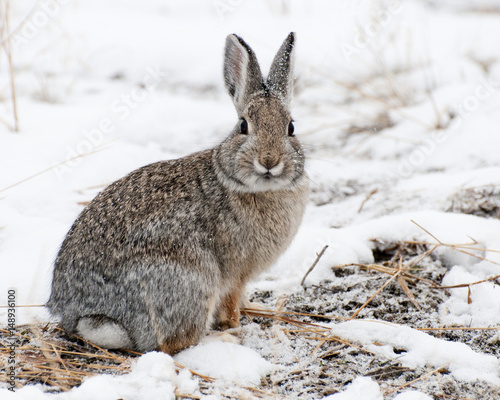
(113, 356)
(396, 273)
(389, 271)
(461, 328)
(377, 292)
(252, 310)
(20, 26)
(5, 32)
(368, 197)
(443, 367)
(407, 291)
(204, 377)
(313, 264)
(97, 149)
(261, 393)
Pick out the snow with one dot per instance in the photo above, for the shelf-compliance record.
(106, 87)
(367, 389)
(227, 361)
(421, 349)
(361, 388)
(412, 395)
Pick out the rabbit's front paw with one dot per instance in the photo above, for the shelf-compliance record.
(229, 312)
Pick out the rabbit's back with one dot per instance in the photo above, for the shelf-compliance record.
(133, 215)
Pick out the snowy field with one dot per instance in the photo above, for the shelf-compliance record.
(398, 106)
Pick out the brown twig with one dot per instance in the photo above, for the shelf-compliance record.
(314, 264)
(367, 198)
(407, 291)
(204, 377)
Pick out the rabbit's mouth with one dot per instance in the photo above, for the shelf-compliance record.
(266, 183)
(263, 179)
(268, 177)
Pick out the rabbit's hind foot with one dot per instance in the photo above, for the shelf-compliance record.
(174, 346)
(104, 332)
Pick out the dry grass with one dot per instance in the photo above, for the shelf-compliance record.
(5, 34)
(44, 354)
(48, 355)
(101, 147)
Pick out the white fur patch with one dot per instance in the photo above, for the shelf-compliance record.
(108, 334)
(277, 169)
(256, 183)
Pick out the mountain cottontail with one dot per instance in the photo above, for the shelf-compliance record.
(163, 254)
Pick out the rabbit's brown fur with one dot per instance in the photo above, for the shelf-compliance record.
(163, 254)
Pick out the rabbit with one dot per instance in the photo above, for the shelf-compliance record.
(162, 255)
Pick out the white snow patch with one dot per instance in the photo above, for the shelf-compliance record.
(421, 349)
(360, 388)
(412, 395)
(367, 389)
(484, 306)
(228, 361)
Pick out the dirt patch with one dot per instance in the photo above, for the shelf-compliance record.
(483, 201)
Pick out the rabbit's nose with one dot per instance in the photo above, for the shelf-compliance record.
(269, 167)
(268, 160)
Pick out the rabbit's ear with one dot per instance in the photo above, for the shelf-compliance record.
(242, 75)
(280, 78)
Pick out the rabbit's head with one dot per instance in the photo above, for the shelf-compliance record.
(262, 152)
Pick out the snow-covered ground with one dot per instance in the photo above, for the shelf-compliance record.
(397, 104)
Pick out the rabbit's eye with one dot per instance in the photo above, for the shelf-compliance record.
(244, 127)
(291, 129)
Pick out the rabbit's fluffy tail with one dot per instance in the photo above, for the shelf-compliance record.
(104, 332)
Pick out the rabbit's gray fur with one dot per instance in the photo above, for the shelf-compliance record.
(162, 254)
